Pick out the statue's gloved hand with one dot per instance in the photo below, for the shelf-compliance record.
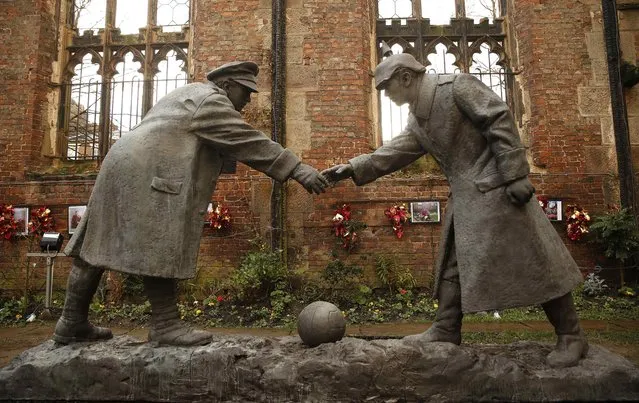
(310, 178)
(338, 172)
(520, 191)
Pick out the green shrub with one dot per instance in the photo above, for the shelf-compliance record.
(12, 310)
(594, 286)
(617, 233)
(260, 273)
(133, 286)
(341, 282)
(337, 273)
(390, 274)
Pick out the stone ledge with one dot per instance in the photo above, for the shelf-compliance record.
(281, 369)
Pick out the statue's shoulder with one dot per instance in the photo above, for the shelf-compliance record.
(203, 88)
(446, 78)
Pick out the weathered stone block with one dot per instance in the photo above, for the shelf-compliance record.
(247, 368)
(627, 45)
(298, 135)
(296, 106)
(633, 128)
(601, 159)
(302, 77)
(607, 131)
(594, 101)
(632, 100)
(595, 45)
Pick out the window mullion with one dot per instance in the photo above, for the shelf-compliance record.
(152, 16)
(419, 40)
(460, 10)
(107, 76)
(149, 70)
(109, 21)
(417, 8)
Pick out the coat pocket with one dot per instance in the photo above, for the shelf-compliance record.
(170, 186)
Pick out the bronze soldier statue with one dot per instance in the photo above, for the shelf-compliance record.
(498, 248)
(146, 212)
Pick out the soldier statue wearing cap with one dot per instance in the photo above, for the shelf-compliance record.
(146, 212)
(498, 248)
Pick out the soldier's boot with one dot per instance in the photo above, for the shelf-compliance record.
(166, 326)
(448, 321)
(73, 325)
(571, 345)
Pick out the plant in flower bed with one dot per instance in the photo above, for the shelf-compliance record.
(282, 308)
(617, 232)
(12, 310)
(392, 275)
(260, 273)
(594, 286)
(258, 292)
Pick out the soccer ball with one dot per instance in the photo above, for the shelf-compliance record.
(320, 322)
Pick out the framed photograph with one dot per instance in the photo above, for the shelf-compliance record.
(425, 212)
(553, 210)
(21, 215)
(75, 215)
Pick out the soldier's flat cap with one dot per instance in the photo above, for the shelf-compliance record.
(244, 73)
(385, 70)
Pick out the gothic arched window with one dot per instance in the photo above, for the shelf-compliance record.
(123, 56)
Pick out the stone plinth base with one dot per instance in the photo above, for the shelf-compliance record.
(256, 369)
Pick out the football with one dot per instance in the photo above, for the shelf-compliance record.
(320, 322)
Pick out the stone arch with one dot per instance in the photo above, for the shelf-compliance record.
(161, 56)
(451, 48)
(76, 58)
(494, 46)
(120, 54)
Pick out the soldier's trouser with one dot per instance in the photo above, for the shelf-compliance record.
(73, 325)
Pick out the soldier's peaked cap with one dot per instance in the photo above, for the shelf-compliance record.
(244, 73)
(385, 70)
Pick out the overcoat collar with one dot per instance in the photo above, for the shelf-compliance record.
(219, 89)
(424, 103)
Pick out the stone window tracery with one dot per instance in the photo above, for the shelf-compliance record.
(122, 58)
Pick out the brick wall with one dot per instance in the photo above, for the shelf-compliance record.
(331, 117)
(27, 32)
(565, 102)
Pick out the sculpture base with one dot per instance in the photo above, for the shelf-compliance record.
(282, 369)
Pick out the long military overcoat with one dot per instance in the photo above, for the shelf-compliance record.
(146, 212)
(508, 255)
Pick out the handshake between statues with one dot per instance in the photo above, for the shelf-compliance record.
(315, 182)
(310, 178)
(338, 172)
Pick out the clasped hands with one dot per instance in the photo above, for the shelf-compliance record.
(315, 182)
